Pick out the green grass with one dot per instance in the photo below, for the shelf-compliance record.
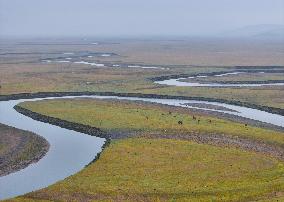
(126, 116)
(141, 169)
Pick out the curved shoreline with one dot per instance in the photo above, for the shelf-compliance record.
(184, 79)
(70, 151)
(272, 110)
(89, 130)
(220, 140)
(86, 129)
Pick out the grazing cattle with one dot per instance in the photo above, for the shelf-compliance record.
(193, 117)
(210, 121)
(180, 122)
(198, 120)
(246, 125)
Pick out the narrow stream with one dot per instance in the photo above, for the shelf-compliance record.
(70, 151)
(182, 82)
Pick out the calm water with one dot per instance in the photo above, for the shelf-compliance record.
(180, 82)
(70, 151)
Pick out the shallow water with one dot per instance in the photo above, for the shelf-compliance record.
(179, 82)
(70, 151)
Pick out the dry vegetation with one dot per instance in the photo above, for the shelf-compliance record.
(22, 70)
(19, 148)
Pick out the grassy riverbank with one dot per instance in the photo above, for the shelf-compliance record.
(159, 163)
(19, 148)
(139, 118)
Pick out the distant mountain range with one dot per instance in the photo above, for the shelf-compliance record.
(257, 31)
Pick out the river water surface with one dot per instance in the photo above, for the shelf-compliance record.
(185, 81)
(70, 151)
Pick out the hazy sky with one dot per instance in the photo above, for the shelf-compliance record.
(134, 17)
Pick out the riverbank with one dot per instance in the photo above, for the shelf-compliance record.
(273, 110)
(159, 165)
(93, 131)
(206, 165)
(19, 148)
(119, 119)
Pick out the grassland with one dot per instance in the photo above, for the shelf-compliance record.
(113, 116)
(19, 148)
(155, 167)
(159, 170)
(23, 71)
(162, 160)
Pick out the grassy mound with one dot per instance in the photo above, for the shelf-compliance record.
(139, 169)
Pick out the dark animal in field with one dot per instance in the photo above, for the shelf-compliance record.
(246, 125)
(170, 112)
(210, 121)
(180, 122)
(147, 117)
(198, 120)
(193, 117)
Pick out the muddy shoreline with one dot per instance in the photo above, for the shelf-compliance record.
(273, 110)
(89, 130)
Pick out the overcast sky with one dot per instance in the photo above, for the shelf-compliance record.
(134, 17)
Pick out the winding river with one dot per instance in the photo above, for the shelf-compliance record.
(181, 82)
(70, 151)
